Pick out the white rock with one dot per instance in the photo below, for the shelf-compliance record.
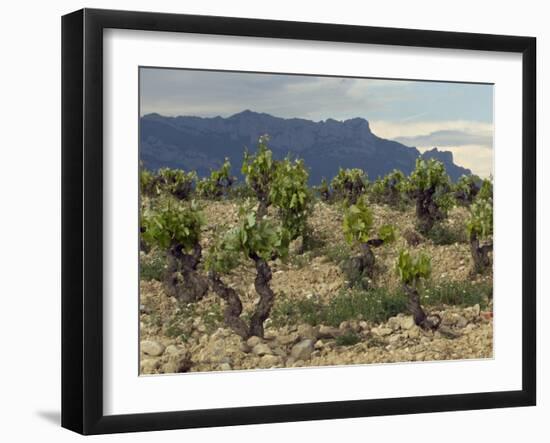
(152, 348)
(328, 332)
(307, 332)
(253, 341)
(261, 349)
(302, 350)
(149, 365)
(268, 361)
(381, 331)
(406, 322)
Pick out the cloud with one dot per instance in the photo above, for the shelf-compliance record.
(447, 138)
(470, 142)
(405, 128)
(455, 117)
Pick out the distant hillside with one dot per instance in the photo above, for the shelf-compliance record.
(202, 143)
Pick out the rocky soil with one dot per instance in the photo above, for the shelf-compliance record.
(176, 338)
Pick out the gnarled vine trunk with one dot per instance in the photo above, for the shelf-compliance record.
(480, 253)
(426, 210)
(233, 305)
(420, 317)
(361, 266)
(267, 296)
(182, 279)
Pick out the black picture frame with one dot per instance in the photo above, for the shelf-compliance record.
(82, 218)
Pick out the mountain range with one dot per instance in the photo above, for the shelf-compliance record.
(201, 144)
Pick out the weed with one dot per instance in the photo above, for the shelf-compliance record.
(348, 339)
(443, 234)
(151, 267)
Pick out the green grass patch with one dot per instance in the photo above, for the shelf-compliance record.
(458, 294)
(348, 339)
(336, 253)
(151, 266)
(375, 305)
(443, 234)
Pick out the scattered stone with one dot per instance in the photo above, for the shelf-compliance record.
(288, 339)
(261, 349)
(344, 325)
(307, 332)
(319, 344)
(172, 349)
(461, 322)
(149, 365)
(302, 350)
(245, 348)
(269, 361)
(446, 332)
(394, 323)
(253, 341)
(225, 367)
(381, 331)
(329, 332)
(152, 348)
(406, 322)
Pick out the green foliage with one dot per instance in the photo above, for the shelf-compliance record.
(324, 190)
(467, 187)
(218, 184)
(486, 190)
(412, 268)
(389, 189)
(171, 223)
(259, 169)
(480, 223)
(357, 222)
(291, 195)
(430, 176)
(349, 185)
(146, 182)
(445, 234)
(176, 182)
(386, 233)
(249, 238)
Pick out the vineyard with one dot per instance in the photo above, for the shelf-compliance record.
(267, 271)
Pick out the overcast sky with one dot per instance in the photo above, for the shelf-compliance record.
(452, 116)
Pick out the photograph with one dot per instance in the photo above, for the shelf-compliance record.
(295, 220)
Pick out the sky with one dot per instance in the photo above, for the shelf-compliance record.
(456, 117)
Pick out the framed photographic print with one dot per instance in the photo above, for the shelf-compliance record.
(269, 221)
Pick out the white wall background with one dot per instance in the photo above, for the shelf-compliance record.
(30, 218)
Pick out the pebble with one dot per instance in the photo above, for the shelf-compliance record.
(152, 348)
(261, 349)
(407, 322)
(381, 331)
(268, 361)
(253, 341)
(302, 350)
(328, 332)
